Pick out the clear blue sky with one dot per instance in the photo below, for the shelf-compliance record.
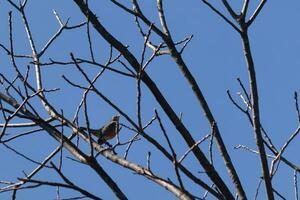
(215, 58)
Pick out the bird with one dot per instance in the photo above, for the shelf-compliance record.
(106, 132)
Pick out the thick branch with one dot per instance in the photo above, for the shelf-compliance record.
(256, 114)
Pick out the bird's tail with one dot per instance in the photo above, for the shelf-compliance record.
(95, 132)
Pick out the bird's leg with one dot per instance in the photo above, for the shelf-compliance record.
(111, 147)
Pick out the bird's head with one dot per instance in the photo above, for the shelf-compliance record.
(116, 118)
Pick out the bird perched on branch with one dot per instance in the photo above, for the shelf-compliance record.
(108, 131)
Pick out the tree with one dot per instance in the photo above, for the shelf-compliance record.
(169, 131)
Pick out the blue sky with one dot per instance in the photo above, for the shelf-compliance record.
(215, 58)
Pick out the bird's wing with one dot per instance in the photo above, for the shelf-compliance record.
(109, 130)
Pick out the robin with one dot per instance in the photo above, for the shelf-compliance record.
(108, 131)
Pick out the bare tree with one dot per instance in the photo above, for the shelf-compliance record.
(160, 136)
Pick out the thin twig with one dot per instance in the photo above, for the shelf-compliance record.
(278, 194)
(245, 8)
(186, 43)
(235, 103)
(55, 184)
(130, 142)
(244, 90)
(190, 149)
(23, 134)
(211, 140)
(229, 9)
(221, 15)
(296, 185)
(148, 160)
(88, 32)
(149, 123)
(256, 12)
(23, 156)
(175, 162)
(257, 189)
(297, 106)
(87, 121)
(281, 151)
